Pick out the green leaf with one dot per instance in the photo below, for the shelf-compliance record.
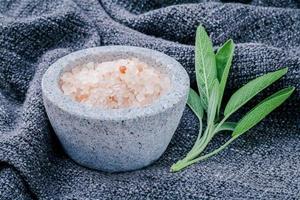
(205, 65)
(248, 91)
(194, 103)
(261, 111)
(223, 62)
(213, 103)
(227, 126)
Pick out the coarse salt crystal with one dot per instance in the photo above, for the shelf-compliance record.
(116, 84)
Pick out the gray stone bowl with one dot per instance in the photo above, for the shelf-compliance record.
(115, 140)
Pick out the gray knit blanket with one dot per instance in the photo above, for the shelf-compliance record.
(262, 164)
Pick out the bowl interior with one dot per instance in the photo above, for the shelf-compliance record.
(116, 55)
(163, 63)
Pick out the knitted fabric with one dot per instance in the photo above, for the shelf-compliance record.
(262, 164)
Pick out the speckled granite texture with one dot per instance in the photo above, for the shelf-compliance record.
(263, 164)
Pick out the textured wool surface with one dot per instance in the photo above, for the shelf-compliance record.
(262, 164)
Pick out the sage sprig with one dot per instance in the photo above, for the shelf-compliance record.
(211, 74)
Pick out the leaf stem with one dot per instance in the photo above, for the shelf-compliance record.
(220, 124)
(181, 165)
(200, 132)
(199, 143)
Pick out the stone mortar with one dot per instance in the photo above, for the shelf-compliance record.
(115, 140)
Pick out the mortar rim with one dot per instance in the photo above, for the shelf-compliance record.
(178, 91)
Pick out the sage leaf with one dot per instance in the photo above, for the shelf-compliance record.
(248, 91)
(227, 126)
(205, 65)
(262, 110)
(211, 75)
(223, 62)
(213, 103)
(194, 103)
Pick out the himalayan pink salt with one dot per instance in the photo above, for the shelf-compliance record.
(115, 84)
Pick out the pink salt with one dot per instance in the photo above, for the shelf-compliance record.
(115, 84)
